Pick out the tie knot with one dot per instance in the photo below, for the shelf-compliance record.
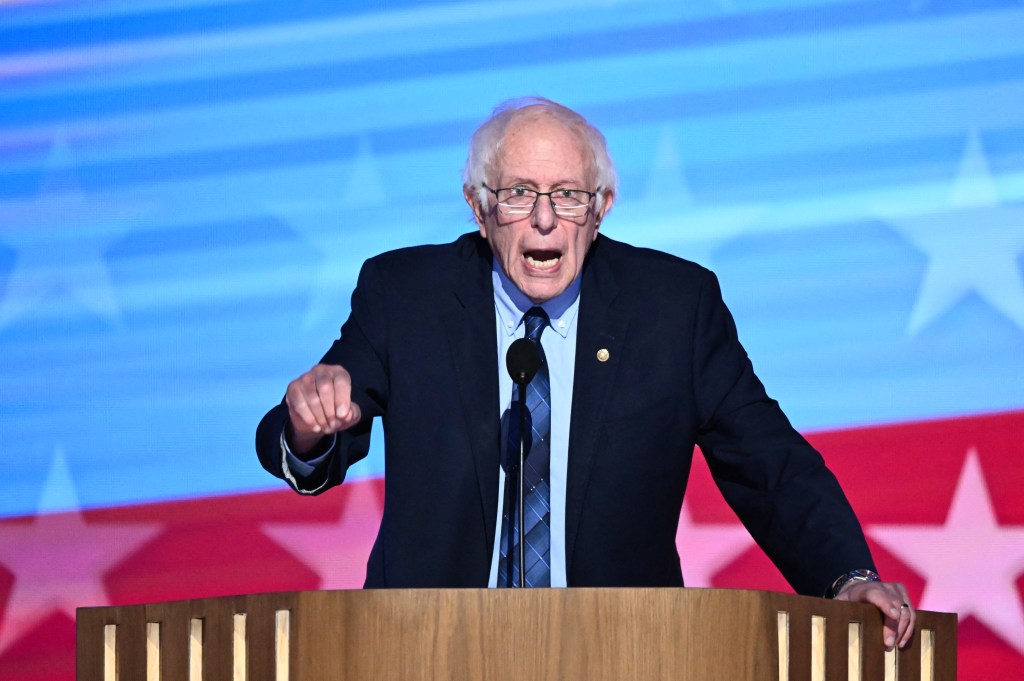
(535, 319)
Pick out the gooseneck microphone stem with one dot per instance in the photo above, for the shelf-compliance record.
(522, 362)
(522, 485)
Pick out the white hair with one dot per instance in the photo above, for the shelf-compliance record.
(486, 143)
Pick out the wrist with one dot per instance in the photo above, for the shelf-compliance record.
(301, 445)
(851, 577)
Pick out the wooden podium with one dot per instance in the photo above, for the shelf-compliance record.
(506, 634)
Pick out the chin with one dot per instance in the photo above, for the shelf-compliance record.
(543, 293)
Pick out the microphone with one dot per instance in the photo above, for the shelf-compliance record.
(522, 362)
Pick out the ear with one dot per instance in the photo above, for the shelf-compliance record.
(607, 199)
(472, 196)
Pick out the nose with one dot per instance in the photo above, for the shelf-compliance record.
(544, 217)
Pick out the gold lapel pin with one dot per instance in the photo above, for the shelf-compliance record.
(603, 355)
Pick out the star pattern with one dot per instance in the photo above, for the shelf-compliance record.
(268, 201)
(337, 551)
(670, 214)
(971, 562)
(973, 244)
(706, 548)
(58, 559)
(346, 229)
(60, 237)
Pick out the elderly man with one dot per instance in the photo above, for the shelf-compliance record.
(638, 361)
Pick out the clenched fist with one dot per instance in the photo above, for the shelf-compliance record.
(320, 403)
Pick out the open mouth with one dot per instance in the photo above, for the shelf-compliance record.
(542, 260)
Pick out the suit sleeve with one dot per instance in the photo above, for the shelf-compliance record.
(773, 479)
(361, 349)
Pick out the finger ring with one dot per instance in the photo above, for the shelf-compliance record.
(905, 605)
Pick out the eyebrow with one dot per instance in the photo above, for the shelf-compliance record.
(560, 183)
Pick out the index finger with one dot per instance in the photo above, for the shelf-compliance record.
(341, 403)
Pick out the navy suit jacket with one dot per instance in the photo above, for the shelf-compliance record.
(421, 347)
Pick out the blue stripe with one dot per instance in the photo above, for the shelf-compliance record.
(192, 20)
(651, 110)
(353, 73)
(165, 23)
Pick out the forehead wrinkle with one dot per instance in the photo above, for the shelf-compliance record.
(568, 183)
(532, 125)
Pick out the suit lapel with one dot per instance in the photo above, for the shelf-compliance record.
(602, 327)
(470, 327)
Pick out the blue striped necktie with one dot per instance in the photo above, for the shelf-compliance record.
(537, 493)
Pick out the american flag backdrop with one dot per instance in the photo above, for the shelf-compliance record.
(188, 187)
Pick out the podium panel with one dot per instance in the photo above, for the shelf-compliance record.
(506, 634)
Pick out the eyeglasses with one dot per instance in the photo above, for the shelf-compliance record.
(521, 200)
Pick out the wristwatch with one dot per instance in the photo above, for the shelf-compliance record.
(851, 576)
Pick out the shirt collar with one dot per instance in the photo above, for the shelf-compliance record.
(512, 303)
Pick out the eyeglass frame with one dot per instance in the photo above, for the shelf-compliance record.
(554, 207)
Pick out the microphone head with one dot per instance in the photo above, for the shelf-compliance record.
(522, 361)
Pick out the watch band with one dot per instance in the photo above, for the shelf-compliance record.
(861, 575)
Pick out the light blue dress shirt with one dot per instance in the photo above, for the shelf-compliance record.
(559, 343)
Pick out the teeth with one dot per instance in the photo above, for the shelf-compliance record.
(542, 264)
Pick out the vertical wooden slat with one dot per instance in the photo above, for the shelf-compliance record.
(890, 665)
(152, 651)
(927, 655)
(195, 649)
(110, 652)
(855, 653)
(818, 626)
(783, 646)
(282, 641)
(239, 649)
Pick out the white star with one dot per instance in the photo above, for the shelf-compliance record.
(706, 548)
(971, 562)
(365, 186)
(337, 551)
(60, 237)
(973, 245)
(59, 559)
(668, 214)
(358, 224)
(667, 181)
